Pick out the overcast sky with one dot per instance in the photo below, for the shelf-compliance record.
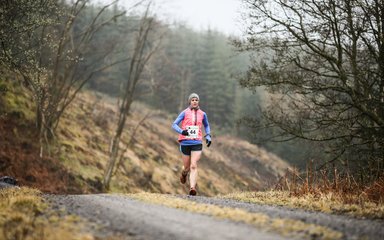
(221, 15)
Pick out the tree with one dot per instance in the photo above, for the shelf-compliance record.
(20, 21)
(172, 70)
(324, 63)
(143, 49)
(212, 79)
(54, 53)
(76, 59)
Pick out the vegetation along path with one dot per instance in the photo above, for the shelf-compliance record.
(159, 216)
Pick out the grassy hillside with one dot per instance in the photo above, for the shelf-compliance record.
(151, 159)
(19, 149)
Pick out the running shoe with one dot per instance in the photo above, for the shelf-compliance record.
(192, 191)
(183, 177)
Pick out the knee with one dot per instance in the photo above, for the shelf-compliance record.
(193, 166)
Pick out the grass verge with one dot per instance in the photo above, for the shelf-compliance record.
(324, 202)
(325, 191)
(25, 215)
(286, 227)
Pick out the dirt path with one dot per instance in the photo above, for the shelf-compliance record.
(132, 219)
(137, 220)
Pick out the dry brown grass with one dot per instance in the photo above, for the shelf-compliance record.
(286, 227)
(332, 181)
(375, 191)
(150, 159)
(326, 191)
(24, 215)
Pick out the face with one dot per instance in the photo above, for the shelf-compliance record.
(194, 102)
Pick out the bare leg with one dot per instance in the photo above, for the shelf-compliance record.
(195, 157)
(186, 162)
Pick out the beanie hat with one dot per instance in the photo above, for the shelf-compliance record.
(193, 95)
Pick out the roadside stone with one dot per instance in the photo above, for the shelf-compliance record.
(6, 182)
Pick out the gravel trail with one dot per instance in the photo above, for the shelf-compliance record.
(121, 215)
(133, 219)
(352, 228)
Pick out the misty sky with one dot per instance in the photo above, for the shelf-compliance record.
(221, 15)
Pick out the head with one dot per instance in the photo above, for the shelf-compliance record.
(193, 100)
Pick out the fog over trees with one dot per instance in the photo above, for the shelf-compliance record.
(311, 73)
(325, 69)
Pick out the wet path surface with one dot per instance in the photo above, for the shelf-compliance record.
(137, 220)
(352, 228)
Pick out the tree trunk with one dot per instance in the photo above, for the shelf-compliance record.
(114, 149)
(137, 63)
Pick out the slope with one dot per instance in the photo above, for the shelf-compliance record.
(150, 160)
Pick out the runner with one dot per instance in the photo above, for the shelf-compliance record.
(190, 139)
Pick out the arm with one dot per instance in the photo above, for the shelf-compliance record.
(207, 130)
(175, 124)
(206, 125)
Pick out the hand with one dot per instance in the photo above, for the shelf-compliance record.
(208, 140)
(185, 132)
